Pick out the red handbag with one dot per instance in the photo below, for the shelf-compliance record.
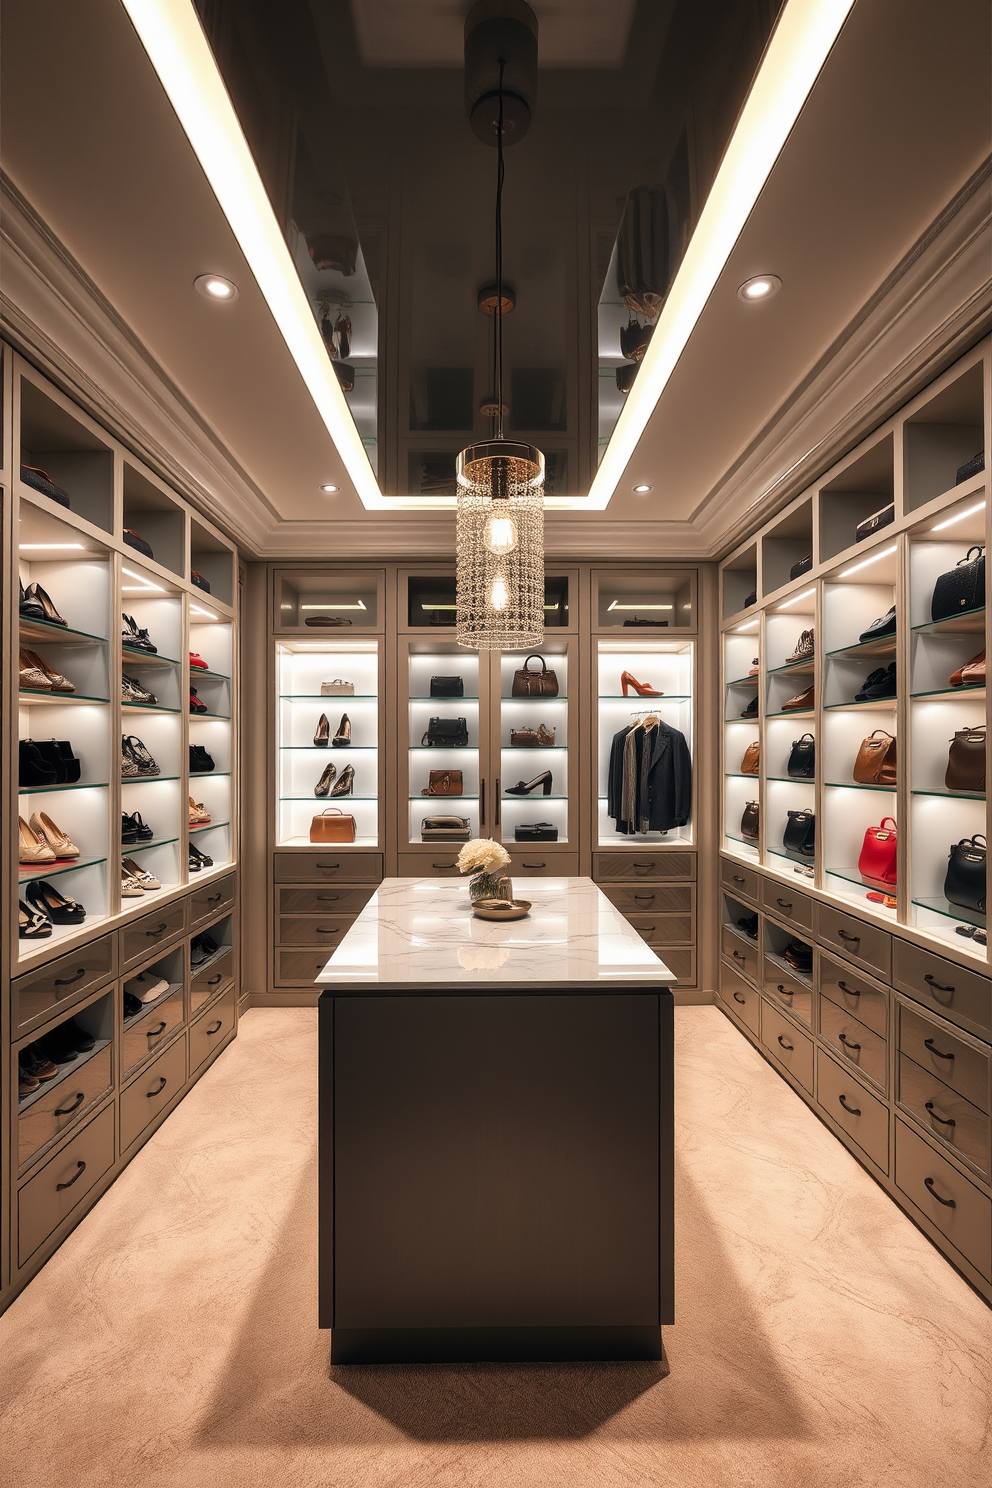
(877, 861)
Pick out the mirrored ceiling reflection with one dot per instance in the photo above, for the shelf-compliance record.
(355, 111)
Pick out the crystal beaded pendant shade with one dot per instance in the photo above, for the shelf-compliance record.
(500, 539)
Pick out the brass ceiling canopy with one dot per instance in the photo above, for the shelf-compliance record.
(500, 32)
(492, 296)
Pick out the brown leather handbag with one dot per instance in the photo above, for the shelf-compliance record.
(332, 825)
(966, 761)
(535, 684)
(876, 761)
(749, 764)
(443, 783)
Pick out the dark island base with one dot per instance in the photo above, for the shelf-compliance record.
(502, 1345)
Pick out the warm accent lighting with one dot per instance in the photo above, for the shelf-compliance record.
(47, 547)
(329, 490)
(616, 605)
(141, 586)
(500, 542)
(743, 629)
(358, 606)
(199, 610)
(213, 287)
(796, 598)
(642, 490)
(951, 521)
(760, 288)
(875, 558)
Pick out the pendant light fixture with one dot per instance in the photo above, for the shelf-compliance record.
(500, 521)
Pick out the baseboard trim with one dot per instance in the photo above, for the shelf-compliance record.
(495, 1345)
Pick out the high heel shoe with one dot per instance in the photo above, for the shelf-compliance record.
(56, 679)
(60, 842)
(522, 789)
(32, 925)
(343, 736)
(643, 689)
(59, 908)
(324, 783)
(346, 782)
(36, 605)
(322, 737)
(32, 848)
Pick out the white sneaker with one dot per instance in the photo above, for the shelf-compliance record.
(146, 986)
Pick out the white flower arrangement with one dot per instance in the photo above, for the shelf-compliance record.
(482, 855)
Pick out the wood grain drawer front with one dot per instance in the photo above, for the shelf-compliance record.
(788, 989)
(38, 994)
(739, 880)
(212, 899)
(212, 979)
(652, 898)
(142, 1038)
(866, 999)
(641, 867)
(854, 1044)
(740, 952)
(961, 995)
(955, 1206)
(328, 866)
(790, 1048)
(51, 1195)
(313, 930)
(861, 1114)
(300, 968)
(55, 1111)
(681, 963)
(537, 862)
(334, 899)
(663, 929)
(956, 1064)
(781, 901)
(853, 938)
(441, 863)
(145, 936)
(945, 1114)
(151, 1091)
(740, 997)
(210, 1031)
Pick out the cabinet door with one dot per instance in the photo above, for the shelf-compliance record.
(441, 681)
(534, 791)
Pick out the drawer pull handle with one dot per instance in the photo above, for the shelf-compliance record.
(68, 1110)
(68, 981)
(944, 1120)
(785, 1044)
(937, 986)
(851, 991)
(215, 1027)
(442, 865)
(643, 865)
(738, 878)
(159, 1028)
(648, 929)
(851, 1110)
(333, 898)
(212, 898)
(786, 991)
(848, 1043)
(785, 904)
(738, 956)
(533, 865)
(162, 1082)
(322, 931)
(328, 866)
(851, 939)
(215, 979)
(158, 929)
(643, 896)
(739, 998)
(947, 1203)
(80, 1170)
(929, 1044)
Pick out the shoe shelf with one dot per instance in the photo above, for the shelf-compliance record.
(804, 978)
(207, 676)
(208, 713)
(793, 713)
(75, 785)
(793, 668)
(210, 826)
(27, 871)
(867, 649)
(134, 656)
(953, 692)
(47, 632)
(147, 708)
(29, 697)
(886, 703)
(130, 848)
(150, 779)
(132, 1019)
(66, 1071)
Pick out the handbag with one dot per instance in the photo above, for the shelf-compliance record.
(447, 687)
(964, 882)
(803, 566)
(962, 588)
(637, 624)
(970, 468)
(138, 543)
(877, 859)
(525, 738)
(337, 826)
(966, 760)
(444, 829)
(802, 758)
(752, 754)
(876, 760)
(534, 684)
(884, 626)
(199, 581)
(446, 733)
(749, 821)
(535, 832)
(337, 688)
(875, 522)
(800, 833)
(443, 783)
(40, 480)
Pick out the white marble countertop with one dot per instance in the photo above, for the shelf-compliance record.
(417, 931)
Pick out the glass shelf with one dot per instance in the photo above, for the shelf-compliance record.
(970, 622)
(128, 849)
(207, 676)
(752, 680)
(942, 906)
(468, 697)
(149, 1007)
(533, 797)
(952, 692)
(225, 717)
(851, 875)
(146, 708)
(210, 825)
(884, 646)
(150, 779)
(562, 697)
(443, 748)
(535, 748)
(27, 871)
(135, 656)
(618, 697)
(329, 800)
(889, 790)
(951, 795)
(793, 779)
(61, 635)
(790, 668)
(65, 1073)
(36, 790)
(340, 697)
(747, 841)
(741, 775)
(778, 851)
(789, 713)
(30, 696)
(199, 775)
(804, 978)
(868, 703)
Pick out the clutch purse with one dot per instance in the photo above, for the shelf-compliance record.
(447, 687)
(444, 829)
(877, 520)
(332, 825)
(535, 684)
(337, 688)
(803, 566)
(535, 832)
(876, 761)
(443, 783)
(137, 543)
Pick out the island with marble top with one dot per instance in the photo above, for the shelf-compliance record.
(496, 1131)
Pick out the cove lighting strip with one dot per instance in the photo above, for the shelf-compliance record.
(171, 34)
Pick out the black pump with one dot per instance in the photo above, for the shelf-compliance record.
(545, 779)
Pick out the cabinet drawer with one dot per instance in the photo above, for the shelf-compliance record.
(955, 1206)
(741, 998)
(145, 935)
(681, 963)
(782, 901)
(211, 899)
(38, 994)
(62, 1184)
(313, 930)
(788, 1046)
(854, 1044)
(662, 929)
(738, 879)
(210, 1031)
(440, 863)
(963, 996)
(334, 899)
(211, 979)
(652, 898)
(300, 968)
(631, 867)
(536, 862)
(866, 999)
(740, 952)
(853, 938)
(57, 1109)
(144, 1036)
(781, 982)
(142, 1101)
(862, 1115)
(945, 1114)
(956, 1064)
(327, 865)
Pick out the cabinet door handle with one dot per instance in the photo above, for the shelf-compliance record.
(482, 803)
(851, 991)
(68, 981)
(786, 991)
(68, 1110)
(848, 1044)
(851, 939)
(739, 998)
(496, 808)
(80, 1170)
(785, 1044)
(944, 1120)
(948, 1203)
(785, 904)
(851, 1110)
(158, 929)
(937, 986)
(929, 1044)
(216, 1027)
(159, 1028)
(162, 1082)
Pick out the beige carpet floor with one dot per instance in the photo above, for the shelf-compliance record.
(171, 1342)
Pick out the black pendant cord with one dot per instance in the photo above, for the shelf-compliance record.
(498, 338)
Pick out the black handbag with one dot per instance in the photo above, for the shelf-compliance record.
(137, 543)
(800, 833)
(803, 566)
(446, 733)
(970, 468)
(199, 581)
(40, 480)
(749, 821)
(447, 687)
(964, 882)
(535, 832)
(637, 624)
(802, 758)
(875, 522)
(962, 588)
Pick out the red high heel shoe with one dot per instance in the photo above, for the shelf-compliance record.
(641, 688)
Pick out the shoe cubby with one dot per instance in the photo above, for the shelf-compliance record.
(327, 603)
(742, 680)
(211, 954)
(945, 558)
(58, 439)
(644, 601)
(428, 660)
(155, 517)
(211, 641)
(790, 988)
(943, 435)
(71, 1067)
(788, 545)
(863, 486)
(215, 564)
(854, 603)
(739, 581)
(160, 990)
(668, 668)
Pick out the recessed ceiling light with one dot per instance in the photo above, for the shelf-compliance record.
(213, 287)
(642, 489)
(761, 287)
(329, 490)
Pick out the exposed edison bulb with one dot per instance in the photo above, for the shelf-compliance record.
(501, 535)
(499, 596)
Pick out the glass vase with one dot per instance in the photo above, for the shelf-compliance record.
(489, 886)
